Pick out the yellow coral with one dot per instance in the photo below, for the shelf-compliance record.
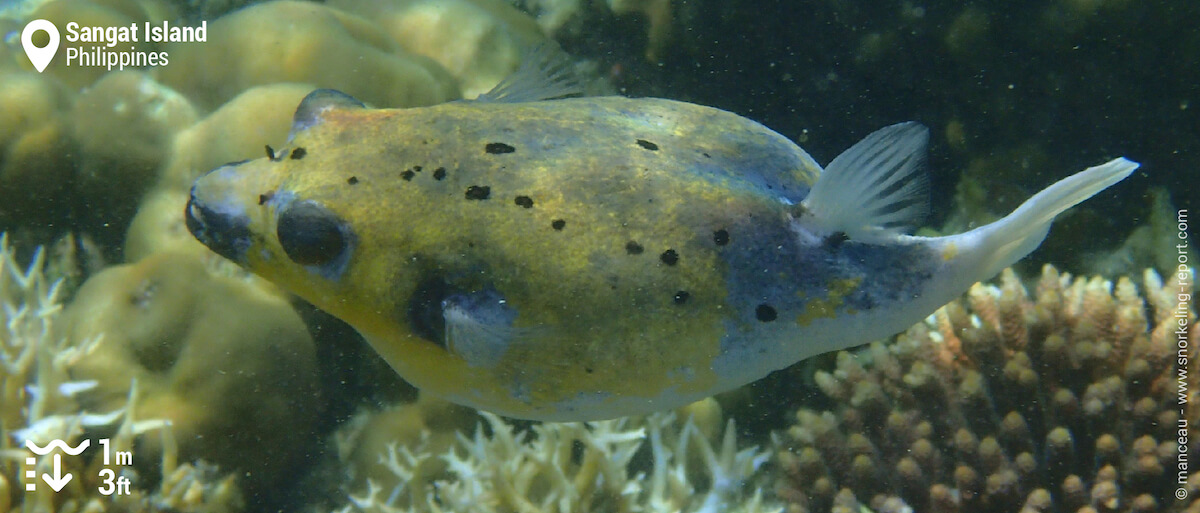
(236, 131)
(303, 42)
(228, 363)
(36, 164)
(477, 41)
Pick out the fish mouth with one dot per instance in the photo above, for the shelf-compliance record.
(225, 231)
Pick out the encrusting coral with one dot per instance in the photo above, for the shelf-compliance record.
(1002, 402)
(228, 362)
(236, 131)
(123, 128)
(480, 42)
(37, 165)
(652, 464)
(38, 402)
(304, 42)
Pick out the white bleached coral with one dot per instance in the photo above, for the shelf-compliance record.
(572, 467)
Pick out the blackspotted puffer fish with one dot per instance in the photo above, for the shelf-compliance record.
(588, 258)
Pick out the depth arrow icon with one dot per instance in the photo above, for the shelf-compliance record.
(58, 481)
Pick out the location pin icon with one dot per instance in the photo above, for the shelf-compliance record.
(40, 57)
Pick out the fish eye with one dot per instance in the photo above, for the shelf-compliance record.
(310, 234)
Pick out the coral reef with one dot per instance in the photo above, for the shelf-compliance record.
(558, 17)
(36, 162)
(1063, 401)
(303, 42)
(39, 401)
(1144, 246)
(226, 361)
(562, 467)
(235, 131)
(478, 41)
(1001, 402)
(159, 227)
(123, 127)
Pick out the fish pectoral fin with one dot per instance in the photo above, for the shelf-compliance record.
(992, 247)
(479, 343)
(875, 189)
(478, 327)
(316, 104)
(545, 73)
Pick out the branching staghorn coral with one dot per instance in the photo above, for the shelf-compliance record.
(37, 403)
(572, 467)
(1065, 401)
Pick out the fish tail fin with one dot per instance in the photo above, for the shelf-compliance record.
(990, 248)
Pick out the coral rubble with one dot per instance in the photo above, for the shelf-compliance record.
(1063, 401)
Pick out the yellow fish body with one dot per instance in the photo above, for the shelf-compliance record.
(589, 258)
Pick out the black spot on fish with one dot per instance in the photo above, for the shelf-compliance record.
(270, 152)
(416, 168)
(765, 313)
(647, 145)
(352, 180)
(588, 370)
(681, 297)
(264, 198)
(439, 173)
(497, 148)
(867, 303)
(835, 240)
(478, 192)
(721, 237)
(299, 153)
(524, 201)
(633, 248)
(558, 224)
(407, 175)
(669, 257)
(706, 155)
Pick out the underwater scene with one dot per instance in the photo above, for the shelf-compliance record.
(529, 256)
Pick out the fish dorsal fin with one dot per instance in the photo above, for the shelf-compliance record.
(877, 188)
(316, 104)
(545, 73)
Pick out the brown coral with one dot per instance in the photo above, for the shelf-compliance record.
(1062, 401)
